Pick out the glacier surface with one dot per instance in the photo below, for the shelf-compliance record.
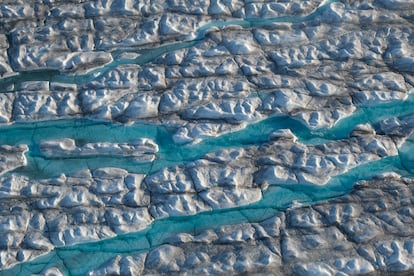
(213, 137)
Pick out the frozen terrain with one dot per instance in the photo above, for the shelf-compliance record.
(206, 137)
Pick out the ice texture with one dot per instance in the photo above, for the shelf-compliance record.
(368, 230)
(143, 150)
(208, 84)
(355, 234)
(209, 137)
(12, 157)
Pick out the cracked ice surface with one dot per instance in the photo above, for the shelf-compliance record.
(214, 83)
(178, 91)
(92, 205)
(370, 229)
(145, 149)
(12, 157)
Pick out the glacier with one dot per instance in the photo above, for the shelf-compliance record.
(142, 137)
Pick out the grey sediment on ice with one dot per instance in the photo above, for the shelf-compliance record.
(202, 70)
(369, 230)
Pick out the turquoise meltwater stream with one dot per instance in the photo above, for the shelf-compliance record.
(81, 258)
(84, 131)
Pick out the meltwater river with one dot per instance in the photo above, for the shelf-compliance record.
(81, 258)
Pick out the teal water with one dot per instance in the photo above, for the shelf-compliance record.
(81, 258)
(78, 259)
(406, 154)
(84, 131)
(147, 55)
